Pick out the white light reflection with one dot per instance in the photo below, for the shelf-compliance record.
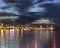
(11, 34)
(2, 33)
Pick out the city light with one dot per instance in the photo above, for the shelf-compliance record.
(18, 31)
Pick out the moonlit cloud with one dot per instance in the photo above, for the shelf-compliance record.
(37, 9)
(8, 17)
(12, 10)
(8, 8)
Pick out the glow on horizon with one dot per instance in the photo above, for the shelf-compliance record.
(43, 21)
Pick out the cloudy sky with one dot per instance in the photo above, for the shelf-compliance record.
(41, 11)
(33, 9)
(17, 6)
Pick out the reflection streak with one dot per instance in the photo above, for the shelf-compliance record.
(12, 39)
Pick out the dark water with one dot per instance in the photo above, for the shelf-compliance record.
(29, 39)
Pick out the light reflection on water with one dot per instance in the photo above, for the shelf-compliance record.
(35, 39)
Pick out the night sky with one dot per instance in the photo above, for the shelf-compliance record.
(29, 11)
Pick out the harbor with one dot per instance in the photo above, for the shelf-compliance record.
(27, 36)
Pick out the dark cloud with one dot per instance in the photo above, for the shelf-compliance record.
(21, 4)
(53, 9)
(39, 1)
(12, 1)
